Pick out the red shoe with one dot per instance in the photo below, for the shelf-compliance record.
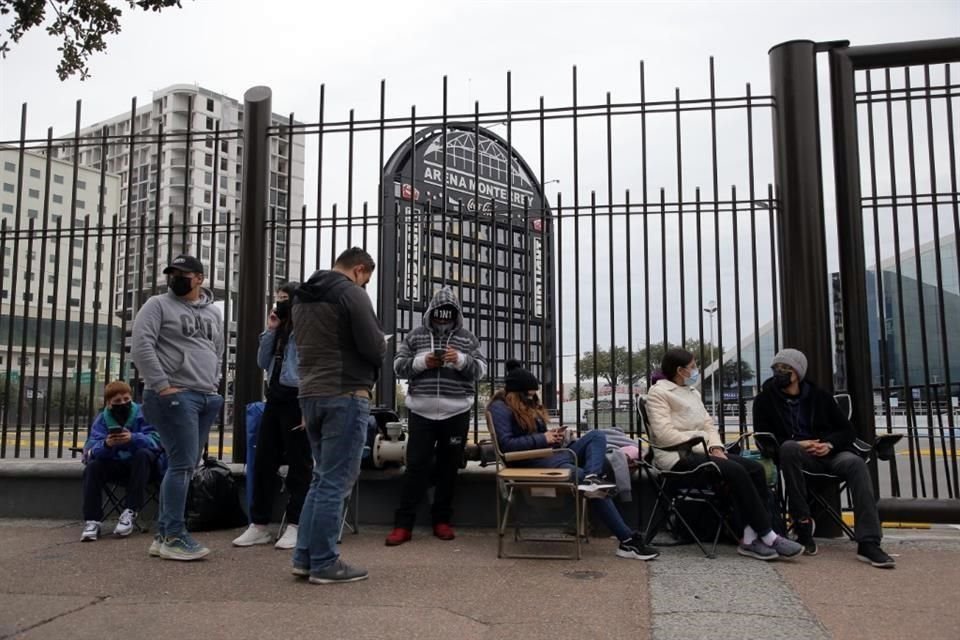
(398, 536)
(443, 531)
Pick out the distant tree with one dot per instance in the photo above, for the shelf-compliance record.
(579, 392)
(620, 372)
(80, 24)
(736, 373)
(642, 359)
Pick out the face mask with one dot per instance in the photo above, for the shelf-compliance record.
(283, 309)
(121, 412)
(180, 285)
(781, 379)
(693, 379)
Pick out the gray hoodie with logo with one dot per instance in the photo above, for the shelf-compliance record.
(178, 343)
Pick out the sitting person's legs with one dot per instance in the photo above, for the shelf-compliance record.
(96, 473)
(853, 469)
(744, 480)
(794, 459)
(142, 467)
(591, 450)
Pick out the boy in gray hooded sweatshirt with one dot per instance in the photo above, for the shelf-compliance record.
(177, 346)
(442, 361)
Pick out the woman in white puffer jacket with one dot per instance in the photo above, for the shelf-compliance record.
(677, 415)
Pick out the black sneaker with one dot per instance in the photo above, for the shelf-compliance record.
(634, 549)
(872, 553)
(804, 531)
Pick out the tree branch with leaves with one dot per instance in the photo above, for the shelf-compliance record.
(81, 26)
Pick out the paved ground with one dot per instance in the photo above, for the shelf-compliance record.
(52, 586)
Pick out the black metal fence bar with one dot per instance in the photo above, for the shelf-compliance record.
(901, 141)
(623, 276)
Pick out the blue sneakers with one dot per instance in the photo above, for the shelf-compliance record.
(182, 547)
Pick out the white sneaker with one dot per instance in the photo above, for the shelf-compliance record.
(91, 531)
(289, 538)
(255, 534)
(594, 487)
(126, 523)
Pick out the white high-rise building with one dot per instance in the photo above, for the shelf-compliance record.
(56, 288)
(190, 173)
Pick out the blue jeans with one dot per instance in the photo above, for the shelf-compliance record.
(337, 429)
(183, 420)
(591, 450)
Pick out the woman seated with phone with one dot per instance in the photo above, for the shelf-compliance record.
(520, 421)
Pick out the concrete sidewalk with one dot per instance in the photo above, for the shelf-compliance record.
(52, 586)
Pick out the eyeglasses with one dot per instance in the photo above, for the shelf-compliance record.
(782, 368)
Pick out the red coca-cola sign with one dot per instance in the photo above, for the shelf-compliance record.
(407, 192)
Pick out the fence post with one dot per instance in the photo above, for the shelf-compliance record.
(802, 245)
(247, 379)
(804, 299)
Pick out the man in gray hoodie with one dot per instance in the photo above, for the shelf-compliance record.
(442, 361)
(177, 346)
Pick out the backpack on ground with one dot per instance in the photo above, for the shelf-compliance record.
(213, 501)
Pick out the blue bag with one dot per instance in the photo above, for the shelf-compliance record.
(254, 415)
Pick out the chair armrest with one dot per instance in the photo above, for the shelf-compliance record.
(736, 445)
(536, 454)
(884, 445)
(683, 446)
(767, 443)
(860, 447)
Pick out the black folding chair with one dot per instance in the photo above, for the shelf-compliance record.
(115, 491)
(882, 449)
(700, 486)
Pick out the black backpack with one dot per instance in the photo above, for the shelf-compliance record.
(213, 500)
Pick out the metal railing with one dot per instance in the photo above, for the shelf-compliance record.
(651, 221)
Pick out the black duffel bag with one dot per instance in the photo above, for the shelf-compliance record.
(213, 500)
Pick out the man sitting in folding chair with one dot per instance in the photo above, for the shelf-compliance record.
(121, 447)
(520, 423)
(677, 415)
(816, 439)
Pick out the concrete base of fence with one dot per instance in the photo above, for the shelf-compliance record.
(52, 489)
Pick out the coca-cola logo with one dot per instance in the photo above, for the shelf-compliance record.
(407, 192)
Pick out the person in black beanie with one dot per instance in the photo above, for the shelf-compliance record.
(520, 422)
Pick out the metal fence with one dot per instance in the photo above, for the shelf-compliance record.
(651, 233)
(895, 149)
(655, 215)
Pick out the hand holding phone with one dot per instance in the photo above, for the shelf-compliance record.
(434, 360)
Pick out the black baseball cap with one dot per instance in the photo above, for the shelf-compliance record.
(185, 263)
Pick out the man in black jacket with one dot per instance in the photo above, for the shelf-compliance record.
(814, 435)
(340, 349)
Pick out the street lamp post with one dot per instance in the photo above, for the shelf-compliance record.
(711, 308)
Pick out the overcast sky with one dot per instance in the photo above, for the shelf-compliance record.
(295, 46)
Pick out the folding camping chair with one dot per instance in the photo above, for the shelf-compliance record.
(698, 487)
(882, 449)
(115, 491)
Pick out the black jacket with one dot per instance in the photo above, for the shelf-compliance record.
(339, 341)
(827, 422)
